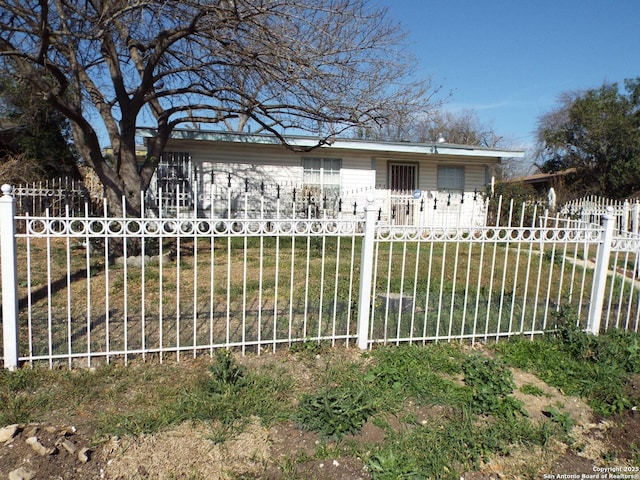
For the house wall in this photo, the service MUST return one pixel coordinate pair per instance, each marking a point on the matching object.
(259, 167)
(475, 171)
(273, 165)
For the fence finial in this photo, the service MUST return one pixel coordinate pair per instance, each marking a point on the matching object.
(6, 189)
(551, 198)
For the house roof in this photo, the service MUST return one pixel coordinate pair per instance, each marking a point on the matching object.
(339, 143)
(541, 178)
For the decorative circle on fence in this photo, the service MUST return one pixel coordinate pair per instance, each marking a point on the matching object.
(285, 227)
(115, 227)
(438, 233)
(77, 227)
(169, 227)
(95, 227)
(301, 227)
(317, 227)
(58, 227)
(151, 227)
(37, 227)
(253, 227)
(133, 227)
(269, 227)
(453, 234)
(221, 227)
(399, 234)
(204, 228)
(186, 227)
(331, 227)
(352, 227)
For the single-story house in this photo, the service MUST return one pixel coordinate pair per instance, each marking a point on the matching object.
(542, 182)
(226, 175)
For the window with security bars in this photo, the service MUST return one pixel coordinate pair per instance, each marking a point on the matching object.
(450, 179)
(403, 176)
(174, 180)
(322, 174)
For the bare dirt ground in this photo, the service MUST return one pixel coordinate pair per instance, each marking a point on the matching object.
(190, 451)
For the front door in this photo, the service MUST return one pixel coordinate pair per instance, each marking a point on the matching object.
(403, 180)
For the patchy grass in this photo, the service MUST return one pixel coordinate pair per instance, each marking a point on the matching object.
(437, 411)
(596, 368)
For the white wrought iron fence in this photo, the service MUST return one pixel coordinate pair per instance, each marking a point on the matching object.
(592, 208)
(87, 289)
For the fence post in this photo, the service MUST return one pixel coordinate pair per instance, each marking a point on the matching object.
(366, 273)
(625, 216)
(9, 279)
(601, 273)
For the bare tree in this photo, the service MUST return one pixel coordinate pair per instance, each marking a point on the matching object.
(319, 66)
(462, 128)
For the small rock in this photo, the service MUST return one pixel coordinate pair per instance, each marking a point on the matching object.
(83, 455)
(50, 429)
(39, 448)
(8, 432)
(31, 432)
(67, 430)
(69, 446)
(21, 474)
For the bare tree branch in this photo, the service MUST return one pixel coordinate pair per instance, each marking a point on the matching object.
(283, 66)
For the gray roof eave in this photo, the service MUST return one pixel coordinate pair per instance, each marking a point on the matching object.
(338, 143)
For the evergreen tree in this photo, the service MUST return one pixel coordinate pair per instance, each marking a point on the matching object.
(597, 132)
(33, 132)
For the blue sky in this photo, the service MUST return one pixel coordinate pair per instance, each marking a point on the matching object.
(508, 60)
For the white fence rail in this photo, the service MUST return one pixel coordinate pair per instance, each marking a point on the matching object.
(82, 290)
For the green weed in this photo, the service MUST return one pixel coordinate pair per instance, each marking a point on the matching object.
(563, 419)
(334, 412)
(444, 450)
(309, 349)
(531, 389)
(223, 391)
(225, 371)
(492, 385)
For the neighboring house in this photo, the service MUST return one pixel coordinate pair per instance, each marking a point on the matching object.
(542, 182)
(226, 175)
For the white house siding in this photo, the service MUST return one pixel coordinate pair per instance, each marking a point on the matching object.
(261, 171)
(261, 167)
(433, 207)
(254, 175)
